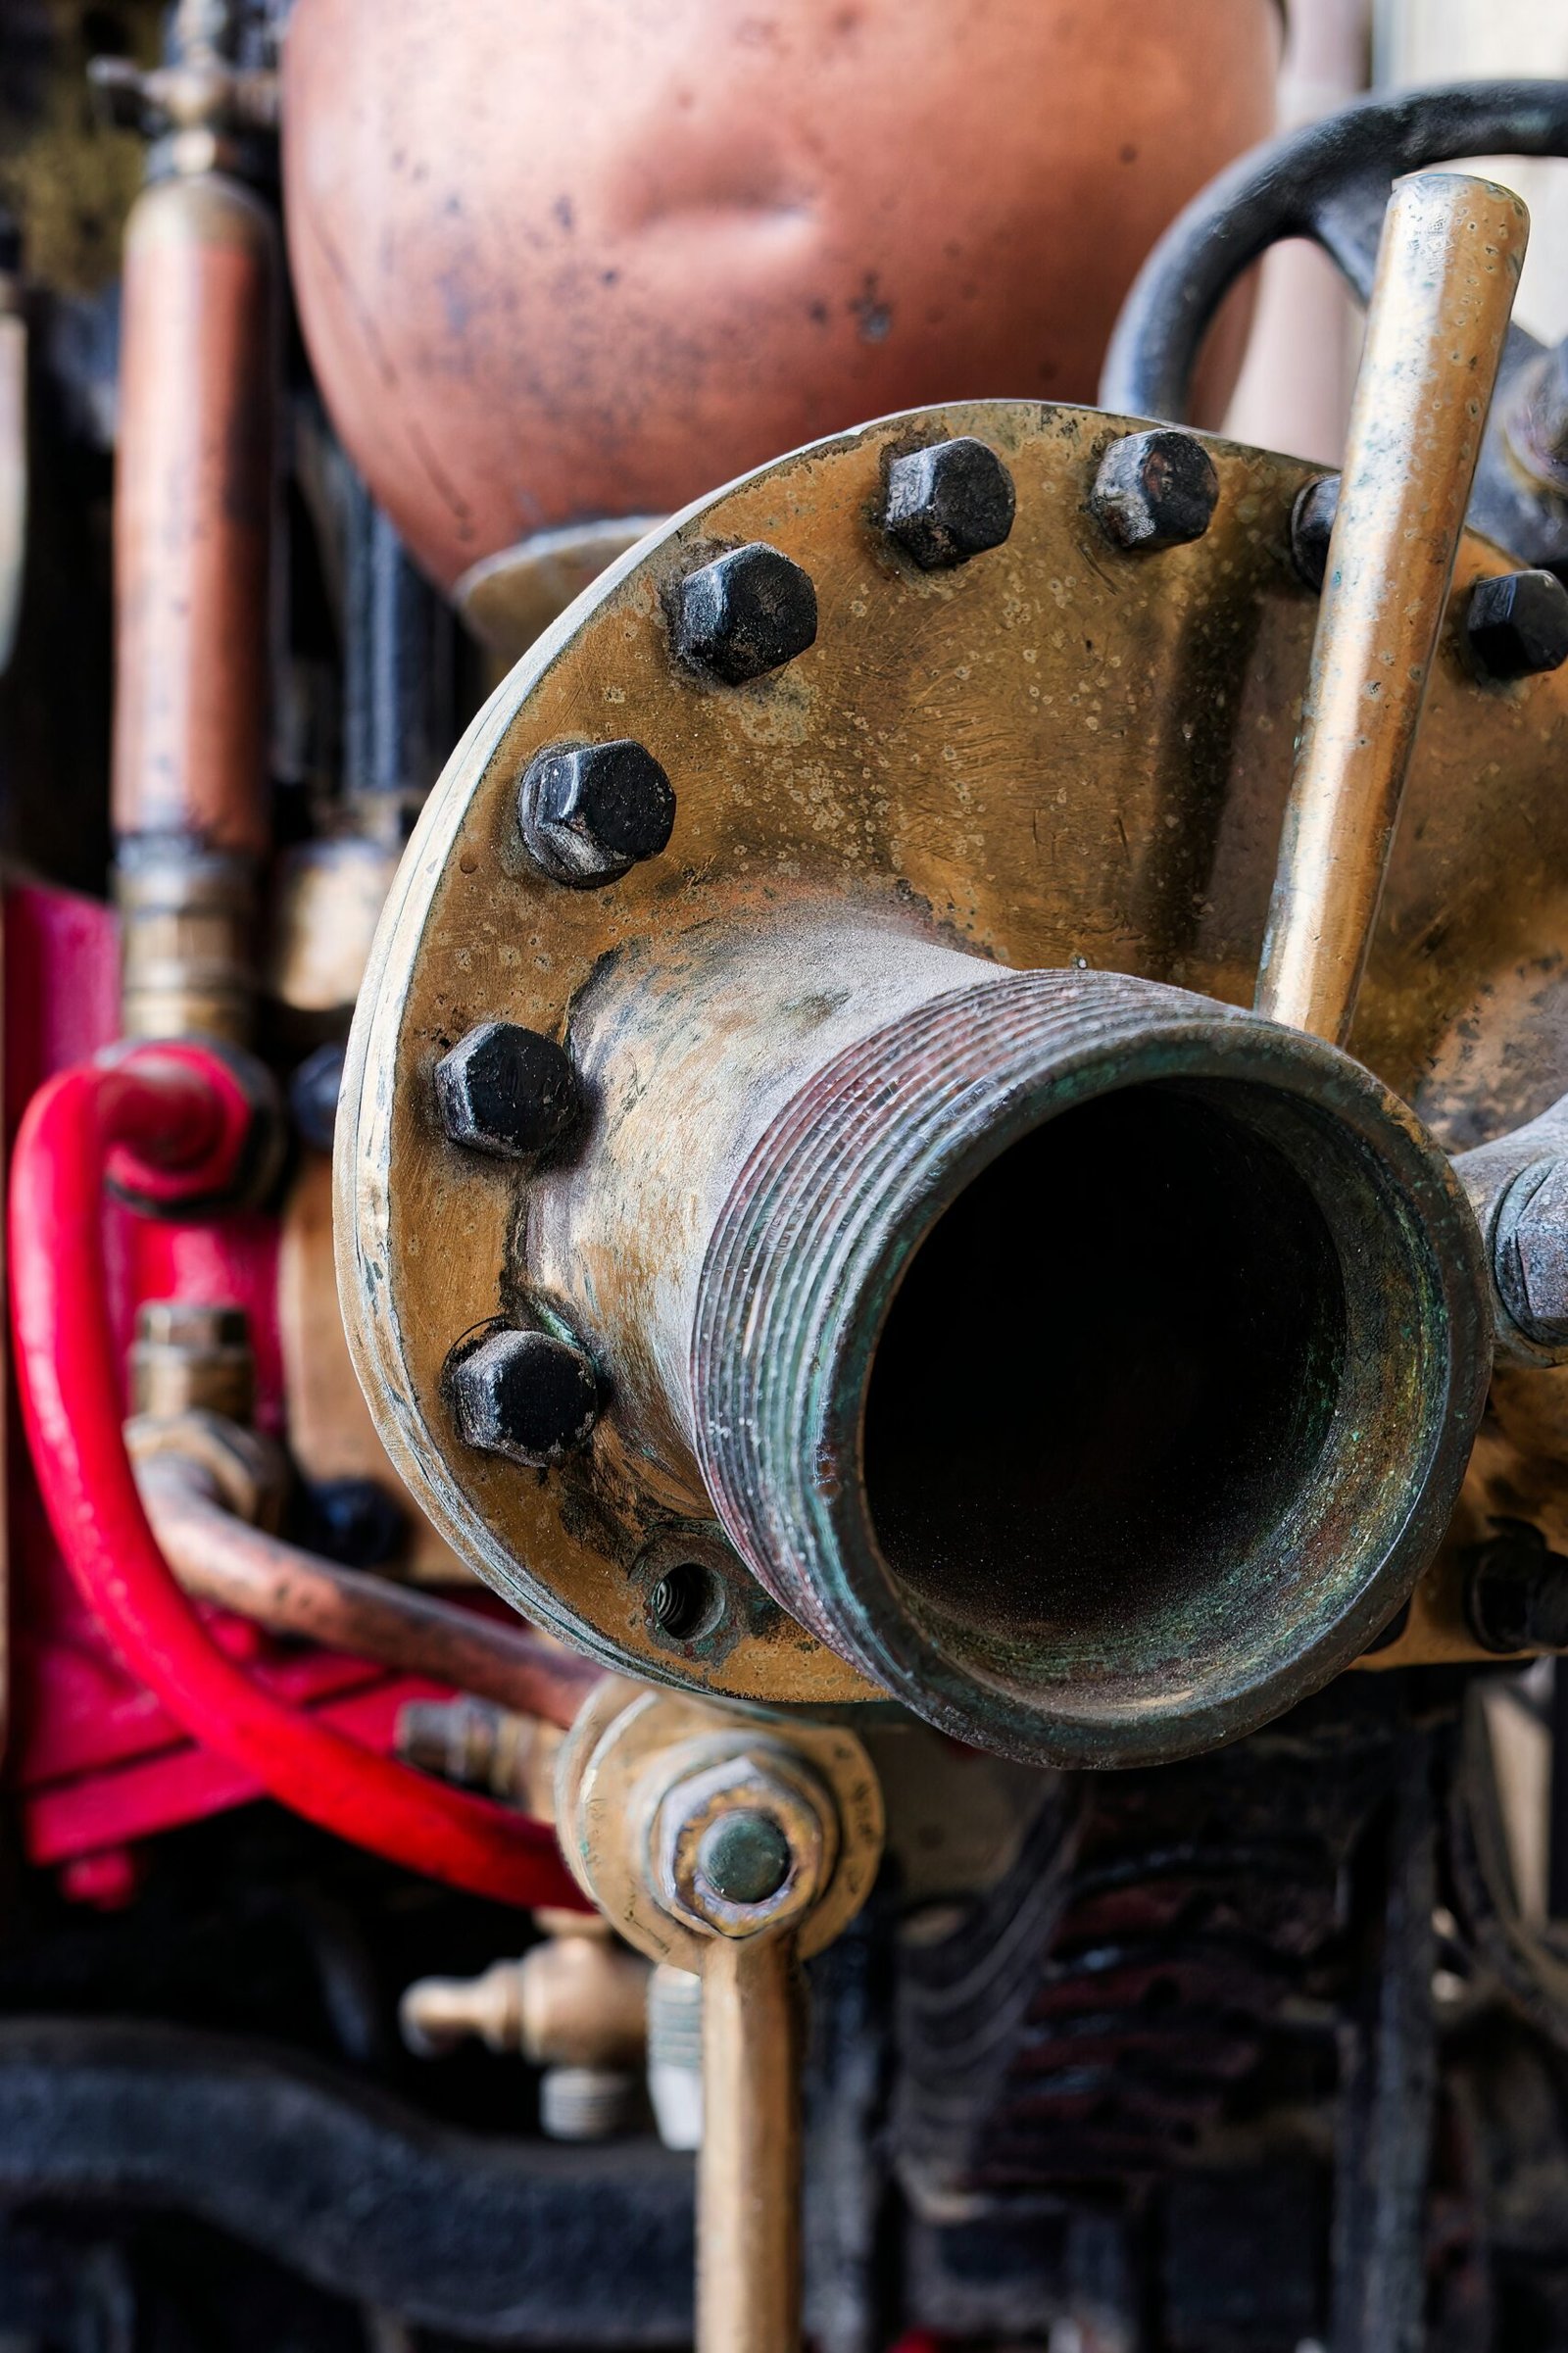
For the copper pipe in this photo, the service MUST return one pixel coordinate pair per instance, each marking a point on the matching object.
(1448, 269)
(748, 2173)
(290, 1591)
(193, 500)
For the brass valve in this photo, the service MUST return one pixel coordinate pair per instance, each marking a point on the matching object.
(732, 1844)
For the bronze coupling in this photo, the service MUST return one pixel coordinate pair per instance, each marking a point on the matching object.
(732, 1844)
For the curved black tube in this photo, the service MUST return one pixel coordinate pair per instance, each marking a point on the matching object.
(522, 2242)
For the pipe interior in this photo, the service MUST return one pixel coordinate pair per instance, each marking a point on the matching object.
(1106, 1376)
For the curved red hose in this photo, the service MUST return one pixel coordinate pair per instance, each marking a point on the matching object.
(169, 1107)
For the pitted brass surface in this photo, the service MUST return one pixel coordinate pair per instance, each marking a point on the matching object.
(1060, 752)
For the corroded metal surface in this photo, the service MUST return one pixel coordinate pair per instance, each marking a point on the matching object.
(1059, 754)
(596, 256)
(1447, 272)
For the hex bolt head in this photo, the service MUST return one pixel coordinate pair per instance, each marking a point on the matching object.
(589, 812)
(950, 502)
(1516, 1592)
(1311, 529)
(745, 1857)
(524, 1394)
(1155, 490)
(746, 614)
(508, 1091)
(1517, 625)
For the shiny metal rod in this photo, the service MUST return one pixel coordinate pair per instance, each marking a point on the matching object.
(1448, 269)
(748, 2178)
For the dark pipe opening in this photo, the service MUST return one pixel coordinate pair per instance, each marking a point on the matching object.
(1106, 1375)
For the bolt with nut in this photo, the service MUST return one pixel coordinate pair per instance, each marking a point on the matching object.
(746, 614)
(948, 503)
(589, 812)
(1517, 624)
(744, 1843)
(525, 1395)
(1155, 490)
(509, 1092)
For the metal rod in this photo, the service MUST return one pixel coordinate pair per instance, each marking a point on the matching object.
(749, 2183)
(1447, 272)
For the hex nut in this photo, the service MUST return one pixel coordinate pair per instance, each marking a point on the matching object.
(948, 503)
(509, 1092)
(694, 1842)
(1517, 624)
(1312, 528)
(1155, 490)
(1516, 1592)
(747, 613)
(589, 812)
(524, 1394)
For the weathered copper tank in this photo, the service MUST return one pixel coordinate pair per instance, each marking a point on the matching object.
(589, 258)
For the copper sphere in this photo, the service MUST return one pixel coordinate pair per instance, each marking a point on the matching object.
(589, 258)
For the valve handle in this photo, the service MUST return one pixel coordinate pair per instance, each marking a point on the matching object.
(1448, 269)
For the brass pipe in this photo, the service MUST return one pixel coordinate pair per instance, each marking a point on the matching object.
(1448, 268)
(193, 514)
(749, 2172)
(218, 1558)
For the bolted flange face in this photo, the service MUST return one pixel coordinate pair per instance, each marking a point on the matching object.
(746, 614)
(1155, 490)
(589, 812)
(1059, 754)
(1518, 625)
(525, 1395)
(506, 1091)
(948, 503)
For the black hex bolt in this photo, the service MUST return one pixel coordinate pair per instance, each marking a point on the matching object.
(313, 1094)
(746, 614)
(589, 812)
(948, 502)
(1155, 490)
(1516, 1592)
(524, 1394)
(1312, 526)
(1518, 625)
(508, 1091)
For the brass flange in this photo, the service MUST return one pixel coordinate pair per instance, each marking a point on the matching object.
(1069, 753)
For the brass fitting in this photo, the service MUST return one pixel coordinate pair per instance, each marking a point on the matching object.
(573, 2000)
(188, 1357)
(744, 1843)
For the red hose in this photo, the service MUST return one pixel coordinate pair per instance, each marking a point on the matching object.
(171, 1110)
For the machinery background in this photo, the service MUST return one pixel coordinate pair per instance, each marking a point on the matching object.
(340, 349)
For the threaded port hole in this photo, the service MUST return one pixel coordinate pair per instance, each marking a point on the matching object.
(686, 1601)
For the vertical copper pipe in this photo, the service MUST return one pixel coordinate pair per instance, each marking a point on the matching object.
(1447, 272)
(193, 502)
(749, 2178)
